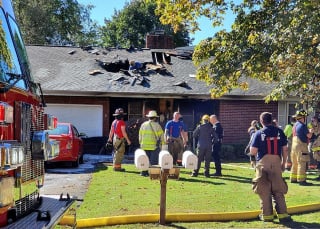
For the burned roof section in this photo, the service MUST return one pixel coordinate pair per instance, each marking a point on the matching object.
(105, 72)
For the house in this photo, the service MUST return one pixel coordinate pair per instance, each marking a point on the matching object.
(86, 85)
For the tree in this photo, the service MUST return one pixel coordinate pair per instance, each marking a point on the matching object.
(90, 33)
(272, 41)
(130, 25)
(57, 22)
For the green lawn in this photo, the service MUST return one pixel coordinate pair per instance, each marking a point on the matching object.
(116, 194)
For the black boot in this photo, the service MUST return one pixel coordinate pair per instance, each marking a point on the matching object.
(195, 173)
(144, 173)
(218, 170)
(206, 173)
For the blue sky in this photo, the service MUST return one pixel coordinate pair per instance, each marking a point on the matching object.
(105, 9)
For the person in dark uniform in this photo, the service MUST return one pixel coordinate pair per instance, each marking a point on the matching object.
(217, 141)
(300, 154)
(203, 135)
(269, 145)
(133, 135)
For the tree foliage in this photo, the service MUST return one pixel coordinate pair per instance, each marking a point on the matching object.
(273, 41)
(58, 22)
(129, 26)
(90, 32)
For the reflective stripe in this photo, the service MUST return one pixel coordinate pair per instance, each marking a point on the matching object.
(293, 176)
(284, 215)
(301, 177)
(315, 149)
(268, 217)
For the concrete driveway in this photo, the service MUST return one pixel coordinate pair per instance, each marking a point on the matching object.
(74, 181)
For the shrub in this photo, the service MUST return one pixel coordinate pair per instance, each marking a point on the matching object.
(233, 152)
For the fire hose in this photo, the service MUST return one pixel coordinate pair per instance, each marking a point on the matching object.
(180, 217)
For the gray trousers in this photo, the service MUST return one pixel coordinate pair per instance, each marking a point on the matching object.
(204, 154)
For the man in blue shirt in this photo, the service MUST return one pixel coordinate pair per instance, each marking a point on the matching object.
(176, 137)
(134, 65)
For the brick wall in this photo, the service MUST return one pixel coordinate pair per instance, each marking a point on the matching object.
(236, 116)
(159, 42)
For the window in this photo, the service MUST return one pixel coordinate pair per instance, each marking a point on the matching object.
(61, 129)
(22, 53)
(75, 131)
(292, 110)
(135, 110)
(10, 69)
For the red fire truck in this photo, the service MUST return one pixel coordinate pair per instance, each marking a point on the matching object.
(24, 142)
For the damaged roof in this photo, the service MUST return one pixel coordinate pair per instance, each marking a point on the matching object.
(104, 72)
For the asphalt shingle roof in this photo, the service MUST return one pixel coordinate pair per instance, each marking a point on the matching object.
(66, 70)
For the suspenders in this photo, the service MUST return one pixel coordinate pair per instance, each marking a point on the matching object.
(272, 144)
(294, 131)
(115, 128)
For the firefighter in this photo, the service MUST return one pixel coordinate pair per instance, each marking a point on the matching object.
(269, 145)
(176, 136)
(288, 132)
(316, 155)
(315, 146)
(203, 135)
(217, 142)
(118, 136)
(151, 139)
(314, 140)
(299, 152)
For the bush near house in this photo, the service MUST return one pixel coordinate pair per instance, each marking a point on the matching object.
(233, 152)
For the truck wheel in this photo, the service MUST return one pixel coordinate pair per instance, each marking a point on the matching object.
(81, 159)
(75, 164)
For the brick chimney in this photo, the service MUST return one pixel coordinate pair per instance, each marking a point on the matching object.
(159, 40)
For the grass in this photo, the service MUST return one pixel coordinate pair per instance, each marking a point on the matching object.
(115, 193)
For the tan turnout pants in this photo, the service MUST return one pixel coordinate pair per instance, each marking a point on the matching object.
(299, 157)
(270, 186)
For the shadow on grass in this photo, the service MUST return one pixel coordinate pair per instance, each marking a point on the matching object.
(172, 225)
(207, 181)
(296, 224)
(134, 172)
(237, 179)
(220, 180)
(102, 166)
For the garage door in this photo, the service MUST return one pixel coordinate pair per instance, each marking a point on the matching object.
(86, 118)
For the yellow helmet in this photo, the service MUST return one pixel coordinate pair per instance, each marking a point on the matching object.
(300, 114)
(205, 117)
